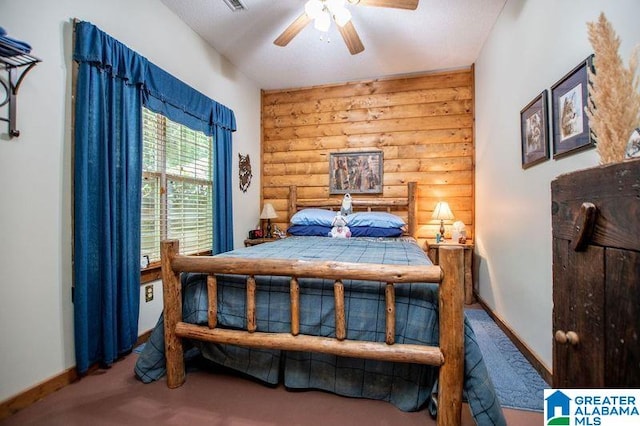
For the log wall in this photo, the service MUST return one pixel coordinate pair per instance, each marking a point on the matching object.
(423, 124)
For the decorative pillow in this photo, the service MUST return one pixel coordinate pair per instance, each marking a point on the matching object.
(375, 219)
(372, 231)
(321, 217)
(310, 230)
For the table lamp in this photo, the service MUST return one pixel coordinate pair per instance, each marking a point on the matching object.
(442, 212)
(268, 213)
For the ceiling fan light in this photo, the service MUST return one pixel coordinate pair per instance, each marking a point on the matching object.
(342, 16)
(334, 5)
(313, 8)
(322, 22)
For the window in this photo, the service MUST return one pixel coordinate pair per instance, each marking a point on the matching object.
(177, 187)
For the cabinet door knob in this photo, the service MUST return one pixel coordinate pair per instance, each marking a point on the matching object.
(570, 337)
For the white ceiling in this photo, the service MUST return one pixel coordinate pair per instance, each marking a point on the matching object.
(438, 35)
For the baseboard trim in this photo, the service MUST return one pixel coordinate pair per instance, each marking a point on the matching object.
(49, 386)
(536, 363)
(143, 338)
(31, 395)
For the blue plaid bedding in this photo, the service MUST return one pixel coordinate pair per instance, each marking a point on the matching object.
(408, 386)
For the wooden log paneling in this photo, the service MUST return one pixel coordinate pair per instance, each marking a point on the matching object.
(369, 88)
(366, 101)
(369, 126)
(364, 114)
(422, 124)
(437, 136)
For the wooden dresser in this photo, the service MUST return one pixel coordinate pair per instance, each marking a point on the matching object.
(596, 277)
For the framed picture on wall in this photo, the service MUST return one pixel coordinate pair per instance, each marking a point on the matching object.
(533, 131)
(569, 96)
(355, 172)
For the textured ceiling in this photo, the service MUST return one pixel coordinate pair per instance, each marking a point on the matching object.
(438, 35)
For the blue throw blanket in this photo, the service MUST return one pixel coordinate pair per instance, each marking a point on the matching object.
(408, 386)
(10, 46)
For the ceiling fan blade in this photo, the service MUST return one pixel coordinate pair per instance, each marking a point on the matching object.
(351, 38)
(292, 30)
(396, 4)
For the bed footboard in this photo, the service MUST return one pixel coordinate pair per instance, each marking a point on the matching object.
(449, 355)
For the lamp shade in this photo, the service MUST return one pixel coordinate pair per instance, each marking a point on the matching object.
(268, 212)
(442, 211)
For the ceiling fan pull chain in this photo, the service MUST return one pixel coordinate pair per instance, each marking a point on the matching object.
(328, 38)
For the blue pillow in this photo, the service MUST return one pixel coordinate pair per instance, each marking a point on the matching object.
(372, 231)
(313, 217)
(356, 231)
(375, 219)
(310, 230)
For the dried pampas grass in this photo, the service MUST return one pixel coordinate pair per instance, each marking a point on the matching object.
(614, 102)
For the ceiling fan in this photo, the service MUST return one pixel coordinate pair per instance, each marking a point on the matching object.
(321, 12)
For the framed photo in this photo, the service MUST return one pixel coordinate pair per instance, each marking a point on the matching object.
(569, 96)
(533, 131)
(355, 172)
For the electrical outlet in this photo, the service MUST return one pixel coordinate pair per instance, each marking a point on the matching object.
(148, 293)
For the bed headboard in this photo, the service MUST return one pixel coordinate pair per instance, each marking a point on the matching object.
(390, 205)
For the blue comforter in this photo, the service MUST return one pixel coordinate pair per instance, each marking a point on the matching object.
(408, 386)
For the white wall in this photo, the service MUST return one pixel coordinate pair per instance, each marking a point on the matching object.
(36, 313)
(533, 45)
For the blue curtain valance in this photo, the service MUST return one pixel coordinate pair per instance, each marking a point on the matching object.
(181, 103)
(162, 92)
(107, 53)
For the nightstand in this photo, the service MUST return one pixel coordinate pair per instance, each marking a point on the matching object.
(431, 247)
(255, 241)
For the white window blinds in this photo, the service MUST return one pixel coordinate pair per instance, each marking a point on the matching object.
(177, 187)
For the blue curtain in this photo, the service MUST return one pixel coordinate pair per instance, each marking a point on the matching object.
(107, 198)
(222, 208)
(112, 85)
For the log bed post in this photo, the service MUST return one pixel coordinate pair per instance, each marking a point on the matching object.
(451, 375)
(412, 214)
(390, 307)
(294, 290)
(341, 323)
(251, 304)
(212, 295)
(292, 201)
(172, 293)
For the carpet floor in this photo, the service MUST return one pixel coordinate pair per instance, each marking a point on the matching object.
(115, 397)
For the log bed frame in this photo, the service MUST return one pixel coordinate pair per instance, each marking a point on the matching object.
(449, 355)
